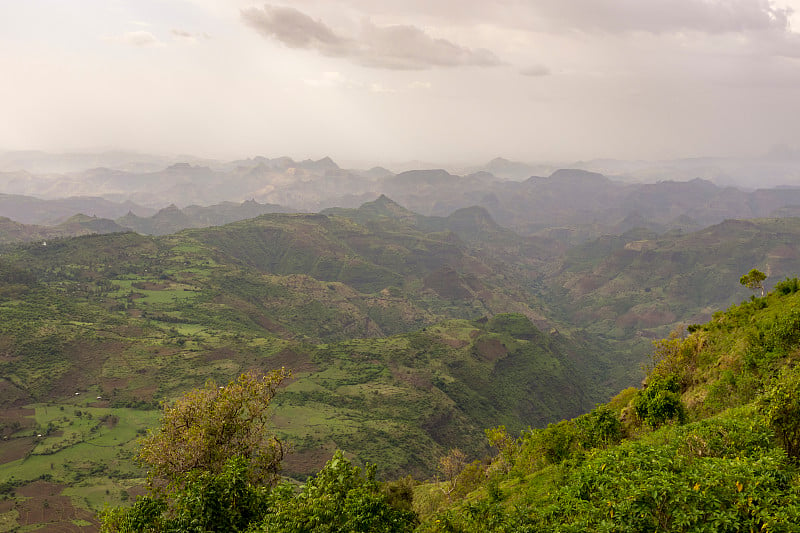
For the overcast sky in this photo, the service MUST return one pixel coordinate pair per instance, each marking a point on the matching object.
(392, 80)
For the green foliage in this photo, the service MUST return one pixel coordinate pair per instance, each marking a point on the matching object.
(676, 356)
(754, 280)
(774, 340)
(208, 426)
(660, 401)
(340, 498)
(146, 514)
(715, 475)
(645, 488)
(599, 428)
(787, 286)
(136, 320)
(733, 470)
(781, 405)
(505, 444)
(515, 324)
(207, 501)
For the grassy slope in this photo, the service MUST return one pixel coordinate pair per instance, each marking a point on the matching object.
(126, 321)
(725, 469)
(136, 319)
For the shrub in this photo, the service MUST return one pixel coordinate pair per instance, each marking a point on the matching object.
(660, 401)
(781, 407)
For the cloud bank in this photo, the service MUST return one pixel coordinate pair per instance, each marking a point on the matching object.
(661, 16)
(396, 47)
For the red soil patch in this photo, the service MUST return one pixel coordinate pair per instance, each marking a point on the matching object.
(129, 331)
(15, 449)
(111, 421)
(10, 394)
(108, 385)
(145, 393)
(308, 461)
(21, 415)
(48, 507)
(490, 349)
(587, 284)
(87, 360)
(271, 325)
(219, 353)
(454, 343)
(294, 361)
(415, 379)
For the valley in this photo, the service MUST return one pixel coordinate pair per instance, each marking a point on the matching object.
(407, 334)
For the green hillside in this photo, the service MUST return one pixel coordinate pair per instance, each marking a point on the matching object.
(407, 336)
(396, 336)
(709, 443)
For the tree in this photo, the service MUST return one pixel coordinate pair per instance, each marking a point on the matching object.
(212, 461)
(206, 502)
(660, 401)
(451, 466)
(754, 280)
(781, 407)
(205, 427)
(341, 497)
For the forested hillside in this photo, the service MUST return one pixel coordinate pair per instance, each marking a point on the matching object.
(400, 339)
(407, 335)
(709, 442)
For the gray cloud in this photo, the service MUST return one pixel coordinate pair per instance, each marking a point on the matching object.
(664, 16)
(296, 30)
(183, 35)
(399, 47)
(656, 16)
(408, 47)
(138, 38)
(535, 71)
(187, 36)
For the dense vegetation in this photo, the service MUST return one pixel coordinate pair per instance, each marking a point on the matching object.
(408, 336)
(394, 358)
(708, 443)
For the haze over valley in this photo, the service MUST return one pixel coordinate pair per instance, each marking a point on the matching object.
(399, 266)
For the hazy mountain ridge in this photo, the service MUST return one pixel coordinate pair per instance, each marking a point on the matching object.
(13, 232)
(572, 205)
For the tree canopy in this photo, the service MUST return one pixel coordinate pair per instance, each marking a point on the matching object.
(754, 280)
(207, 426)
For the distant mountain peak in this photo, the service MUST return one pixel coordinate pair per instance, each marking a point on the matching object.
(80, 217)
(384, 203)
(385, 206)
(424, 175)
(326, 163)
(575, 173)
(384, 200)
